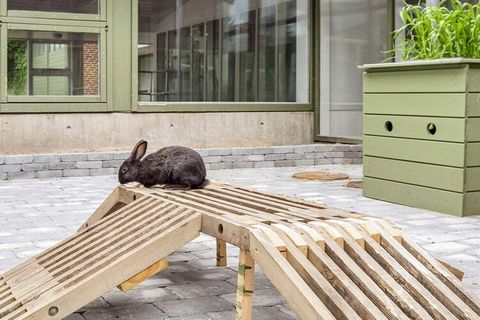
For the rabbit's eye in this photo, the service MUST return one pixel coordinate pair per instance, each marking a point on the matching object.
(124, 170)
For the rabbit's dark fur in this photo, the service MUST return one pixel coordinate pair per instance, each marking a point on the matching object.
(170, 166)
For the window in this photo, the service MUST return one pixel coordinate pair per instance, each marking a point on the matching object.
(66, 6)
(52, 63)
(224, 50)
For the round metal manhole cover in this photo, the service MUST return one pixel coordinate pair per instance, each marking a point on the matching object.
(321, 176)
(355, 184)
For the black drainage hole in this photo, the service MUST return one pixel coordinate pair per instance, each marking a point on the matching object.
(220, 228)
(432, 128)
(388, 126)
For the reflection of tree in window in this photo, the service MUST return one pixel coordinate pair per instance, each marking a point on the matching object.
(53, 63)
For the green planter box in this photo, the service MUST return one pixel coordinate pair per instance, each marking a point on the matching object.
(422, 134)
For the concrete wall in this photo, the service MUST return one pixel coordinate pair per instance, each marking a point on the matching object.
(64, 133)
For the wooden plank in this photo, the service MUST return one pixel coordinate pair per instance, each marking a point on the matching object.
(245, 286)
(306, 230)
(144, 275)
(473, 105)
(439, 80)
(300, 297)
(295, 237)
(441, 291)
(423, 296)
(415, 196)
(473, 154)
(273, 237)
(341, 282)
(322, 288)
(350, 229)
(221, 253)
(375, 282)
(119, 270)
(459, 274)
(331, 231)
(472, 204)
(432, 152)
(427, 175)
(225, 228)
(418, 104)
(414, 127)
(447, 277)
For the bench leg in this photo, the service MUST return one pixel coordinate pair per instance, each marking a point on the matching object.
(246, 274)
(144, 275)
(221, 253)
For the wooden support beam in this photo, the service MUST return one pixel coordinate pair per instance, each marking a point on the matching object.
(221, 253)
(144, 275)
(245, 285)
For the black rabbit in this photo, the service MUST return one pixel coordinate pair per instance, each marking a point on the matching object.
(173, 167)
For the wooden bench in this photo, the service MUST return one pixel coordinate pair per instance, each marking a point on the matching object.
(326, 263)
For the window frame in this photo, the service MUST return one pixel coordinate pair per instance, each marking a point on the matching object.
(222, 106)
(61, 22)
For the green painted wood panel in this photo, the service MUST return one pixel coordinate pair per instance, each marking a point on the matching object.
(474, 80)
(446, 129)
(441, 80)
(473, 105)
(432, 152)
(440, 177)
(472, 179)
(120, 73)
(473, 130)
(472, 204)
(473, 154)
(415, 196)
(418, 104)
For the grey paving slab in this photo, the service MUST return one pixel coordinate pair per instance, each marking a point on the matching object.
(36, 214)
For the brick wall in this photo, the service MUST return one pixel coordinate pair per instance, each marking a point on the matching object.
(107, 163)
(90, 68)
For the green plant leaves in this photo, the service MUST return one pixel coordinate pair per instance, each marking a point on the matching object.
(450, 29)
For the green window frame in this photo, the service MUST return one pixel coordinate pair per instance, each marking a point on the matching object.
(222, 106)
(60, 22)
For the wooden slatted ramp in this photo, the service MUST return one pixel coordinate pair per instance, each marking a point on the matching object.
(101, 256)
(327, 263)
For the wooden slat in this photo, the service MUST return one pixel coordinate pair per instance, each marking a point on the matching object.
(450, 105)
(119, 269)
(293, 288)
(322, 288)
(448, 278)
(373, 280)
(340, 281)
(424, 276)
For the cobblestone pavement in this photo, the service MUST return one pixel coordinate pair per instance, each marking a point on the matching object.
(36, 214)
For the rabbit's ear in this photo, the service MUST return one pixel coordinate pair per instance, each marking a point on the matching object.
(139, 150)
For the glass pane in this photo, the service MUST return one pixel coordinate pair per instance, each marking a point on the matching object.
(52, 63)
(68, 6)
(225, 50)
(353, 32)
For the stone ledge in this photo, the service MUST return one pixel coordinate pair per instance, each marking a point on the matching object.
(107, 163)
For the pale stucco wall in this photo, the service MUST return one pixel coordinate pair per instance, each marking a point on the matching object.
(60, 133)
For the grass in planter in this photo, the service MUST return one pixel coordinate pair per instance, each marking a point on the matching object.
(436, 32)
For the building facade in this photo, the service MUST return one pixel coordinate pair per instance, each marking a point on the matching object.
(98, 75)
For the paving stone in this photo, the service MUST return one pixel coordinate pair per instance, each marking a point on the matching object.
(285, 163)
(212, 159)
(112, 163)
(283, 149)
(221, 165)
(89, 164)
(29, 167)
(18, 159)
(75, 172)
(74, 157)
(243, 164)
(255, 157)
(75, 316)
(275, 157)
(121, 155)
(10, 168)
(99, 156)
(2, 160)
(61, 165)
(20, 175)
(220, 151)
(102, 172)
(264, 164)
(48, 158)
(3, 175)
(187, 307)
(128, 312)
(49, 174)
(265, 297)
